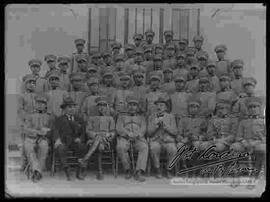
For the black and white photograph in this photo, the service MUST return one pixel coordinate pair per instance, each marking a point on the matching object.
(135, 100)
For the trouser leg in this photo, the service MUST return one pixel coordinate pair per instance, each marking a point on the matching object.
(155, 149)
(122, 151)
(142, 149)
(171, 152)
(43, 149)
(30, 145)
(61, 150)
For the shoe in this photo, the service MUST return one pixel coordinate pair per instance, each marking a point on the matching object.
(79, 173)
(128, 174)
(36, 176)
(139, 177)
(169, 175)
(158, 174)
(100, 176)
(67, 174)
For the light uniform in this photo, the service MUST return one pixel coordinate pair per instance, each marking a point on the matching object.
(74, 64)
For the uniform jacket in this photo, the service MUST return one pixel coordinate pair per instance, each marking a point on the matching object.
(150, 97)
(65, 82)
(208, 102)
(179, 103)
(168, 87)
(78, 97)
(41, 85)
(223, 66)
(120, 103)
(55, 100)
(237, 85)
(183, 71)
(228, 95)
(214, 81)
(74, 64)
(192, 85)
(140, 92)
(89, 107)
(26, 105)
(167, 134)
(169, 63)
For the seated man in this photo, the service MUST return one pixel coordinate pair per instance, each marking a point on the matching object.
(162, 132)
(36, 128)
(251, 134)
(69, 133)
(100, 130)
(131, 130)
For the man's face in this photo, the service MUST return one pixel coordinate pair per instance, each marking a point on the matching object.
(202, 62)
(51, 64)
(220, 55)
(154, 83)
(102, 108)
(124, 82)
(129, 53)
(107, 59)
(194, 72)
(179, 85)
(148, 55)
(181, 61)
(138, 58)
(137, 42)
(92, 73)
(116, 51)
(211, 70)
(95, 60)
(193, 109)
(182, 46)
(54, 82)
(93, 88)
(138, 79)
(190, 58)
(82, 66)
(157, 64)
(254, 109)
(161, 107)
(108, 80)
(70, 110)
(170, 52)
(204, 86)
(159, 51)
(238, 71)
(120, 64)
(149, 39)
(63, 67)
(222, 111)
(30, 85)
(41, 106)
(168, 38)
(77, 84)
(35, 69)
(224, 83)
(168, 75)
(80, 48)
(132, 107)
(198, 44)
(249, 89)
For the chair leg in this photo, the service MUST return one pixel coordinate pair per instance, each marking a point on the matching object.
(113, 163)
(116, 165)
(148, 166)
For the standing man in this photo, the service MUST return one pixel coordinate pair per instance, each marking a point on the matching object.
(69, 133)
(198, 42)
(237, 82)
(137, 40)
(37, 129)
(162, 132)
(193, 82)
(116, 47)
(100, 132)
(63, 63)
(214, 80)
(149, 36)
(148, 59)
(170, 60)
(131, 129)
(107, 59)
(223, 65)
(129, 53)
(51, 62)
(157, 67)
(168, 86)
(168, 34)
(183, 44)
(80, 51)
(180, 67)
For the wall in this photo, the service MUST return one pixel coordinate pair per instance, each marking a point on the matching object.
(36, 30)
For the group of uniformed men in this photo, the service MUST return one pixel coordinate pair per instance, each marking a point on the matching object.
(152, 97)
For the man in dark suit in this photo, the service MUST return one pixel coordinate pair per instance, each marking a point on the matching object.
(69, 133)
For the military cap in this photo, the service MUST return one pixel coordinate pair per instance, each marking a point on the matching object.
(76, 76)
(101, 100)
(139, 51)
(157, 57)
(96, 55)
(63, 59)
(253, 101)
(223, 103)
(129, 47)
(41, 97)
(79, 41)
(168, 33)
(198, 38)
(148, 49)
(203, 77)
(181, 55)
(92, 80)
(155, 75)
(167, 69)
(211, 63)
(185, 41)
(124, 75)
(28, 77)
(237, 63)
(92, 67)
(194, 65)
(149, 32)
(190, 51)
(137, 36)
(194, 101)
(66, 102)
(249, 80)
(225, 76)
(160, 46)
(180, 77)
(120, 57)
(116, 44)
(170, 46)
(81, 57)
(48, 58)
(202, 55)
(54, 74)
(163, 98)
(132, 99)
(220, 48)
(34, 62)
(107, 72)
(137, 72)
(105, 54)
